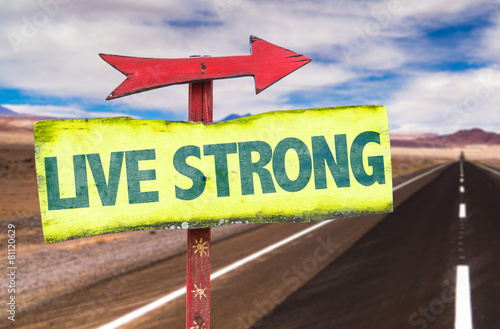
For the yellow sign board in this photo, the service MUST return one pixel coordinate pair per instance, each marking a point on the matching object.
(99, 176)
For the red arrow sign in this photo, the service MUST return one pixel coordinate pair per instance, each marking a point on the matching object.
(267, 63)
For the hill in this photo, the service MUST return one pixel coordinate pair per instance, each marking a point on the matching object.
(6, 111)
(461, 138)
(474, 136)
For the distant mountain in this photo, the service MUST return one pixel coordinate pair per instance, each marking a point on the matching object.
(4, 110)
(234, 116)
(13, 121)
(475, 136)
(415, 143)
(412, 136)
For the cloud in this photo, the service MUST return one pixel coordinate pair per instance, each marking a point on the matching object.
(59, 57)
(489, 46)
(447, 101)
(66, 112)
(50, 49)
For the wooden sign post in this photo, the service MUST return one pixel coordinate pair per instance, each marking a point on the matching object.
(199, 240)
(266, 65)
(109, 175)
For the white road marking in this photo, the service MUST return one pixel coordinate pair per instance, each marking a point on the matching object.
(462, 189)
(461, 180)
(418, 177)
(463, 310)
(461, 212)
(264, 251)
(488, 168)
(182, 291)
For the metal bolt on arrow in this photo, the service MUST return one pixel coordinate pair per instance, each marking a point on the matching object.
(267, 63)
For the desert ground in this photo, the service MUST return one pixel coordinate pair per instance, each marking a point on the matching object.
(49, 270)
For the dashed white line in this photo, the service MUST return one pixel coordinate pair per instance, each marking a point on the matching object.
(463, 310)
(180, 292)
(462, 212)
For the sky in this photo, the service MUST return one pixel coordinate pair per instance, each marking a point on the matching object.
(435, 64)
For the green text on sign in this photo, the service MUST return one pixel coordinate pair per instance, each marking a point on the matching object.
(111, 175)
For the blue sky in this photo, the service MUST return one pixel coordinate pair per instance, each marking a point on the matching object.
(434, 64)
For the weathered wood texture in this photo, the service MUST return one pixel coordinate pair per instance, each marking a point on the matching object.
(199, 240)
(267, 63)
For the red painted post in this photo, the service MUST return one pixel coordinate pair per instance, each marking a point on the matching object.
(267, 63)
(199, 240)
(198, 279)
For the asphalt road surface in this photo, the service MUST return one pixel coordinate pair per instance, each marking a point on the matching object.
(386, 271)
(402, 274)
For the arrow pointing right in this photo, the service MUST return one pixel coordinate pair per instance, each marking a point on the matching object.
(267, 63)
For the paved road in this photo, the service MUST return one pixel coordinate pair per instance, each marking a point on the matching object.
(402, 273)
(242, 297)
